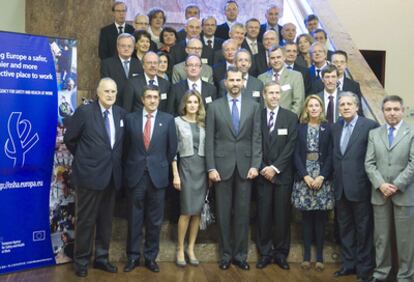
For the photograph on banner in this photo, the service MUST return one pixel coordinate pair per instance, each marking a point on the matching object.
(62, 192)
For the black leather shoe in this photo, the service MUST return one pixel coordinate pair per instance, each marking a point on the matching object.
(152, 265)
(344, 272)
(81, 271)
(131, 264)
(105, 266)
(241, 264)
(263, 262)
(224, 264)
(376, 280)
(282, 263)
(364, 279)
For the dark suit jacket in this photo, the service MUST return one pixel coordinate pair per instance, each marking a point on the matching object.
(253, 89)
(261, 63)
(222, 31)
(181, 35)
(325, 150)
(224, 149)
(178, 54)
(113, 68)
(219, 72)
(134, 91)
(107, 40)
(278, 147)
(218, 42)
(158, 157)
(260, 47)
(95, 162)
(263, 30)
(177, 91)
(350, 178)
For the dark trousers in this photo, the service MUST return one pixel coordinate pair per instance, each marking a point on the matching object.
(145, 208)
(273, 218)
(356, 231)
(94, 213)
(233, 209)
(314, 223)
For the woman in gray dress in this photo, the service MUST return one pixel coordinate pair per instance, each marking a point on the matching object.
(190, 176)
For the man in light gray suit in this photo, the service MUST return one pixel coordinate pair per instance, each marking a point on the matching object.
(233, 157)
(252, 86)
(193, 47)
(390, 168)
(291, 82)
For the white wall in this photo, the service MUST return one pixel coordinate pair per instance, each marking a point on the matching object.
(384, 25)
(12, 15)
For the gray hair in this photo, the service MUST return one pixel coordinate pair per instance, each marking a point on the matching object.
(350, 94)
(125, 35)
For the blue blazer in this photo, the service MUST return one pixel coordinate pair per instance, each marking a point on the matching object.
(325, 150)
(158, 157)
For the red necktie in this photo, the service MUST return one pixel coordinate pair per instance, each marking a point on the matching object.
(147, 132)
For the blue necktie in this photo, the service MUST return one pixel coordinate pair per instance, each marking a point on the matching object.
(107, 127)
(391, 135)
(346, 134)
(235, 118)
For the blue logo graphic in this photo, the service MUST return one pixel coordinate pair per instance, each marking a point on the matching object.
(19, 142)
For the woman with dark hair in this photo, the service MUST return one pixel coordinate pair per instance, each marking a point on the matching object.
(168, 38)
(304, 42)
(190, 175)
(157, 19)
(142, 43)
(163, 66)
(312, 191)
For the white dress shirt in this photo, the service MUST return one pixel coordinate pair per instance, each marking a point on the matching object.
(111, 122)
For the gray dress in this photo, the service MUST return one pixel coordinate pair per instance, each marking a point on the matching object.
(193, 177)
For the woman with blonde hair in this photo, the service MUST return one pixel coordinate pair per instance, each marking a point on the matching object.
(312, 191)
(190, 175)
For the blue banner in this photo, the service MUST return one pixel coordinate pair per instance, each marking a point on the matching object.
(28, 122)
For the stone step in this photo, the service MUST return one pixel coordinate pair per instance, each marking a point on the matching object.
(207, 247)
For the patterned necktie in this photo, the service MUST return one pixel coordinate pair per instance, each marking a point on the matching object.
(126, 68)
(195, 87)
(147, 131)
(107, 126)
(235, 117)
(120, 29)
(271, 121)
(339, 85)
(210, 43)
(330, 110)
(391, 135)
(152, 82)
(346, 134)
(276, 77)
(289, 67)
(253, 46)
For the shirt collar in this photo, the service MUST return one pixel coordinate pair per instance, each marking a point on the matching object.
(103, 109)
(118, 25)
(353, 121)
(144, 113)
(147, 79)
(396, 127)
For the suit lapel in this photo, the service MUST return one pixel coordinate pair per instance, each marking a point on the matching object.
(384, 136)
(402, 132)
(265, 129)
(279, 124)
(117, 122)
(227, 113)
(243, 111)
(157, 127)
(101, 123)
(354, 135)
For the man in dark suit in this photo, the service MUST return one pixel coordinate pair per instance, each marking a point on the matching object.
(353, 189)
(252, 87)
(134, 88)
(231, 11)
(94, 136)
(123, 66)
(194, 82)
(270, 39)
(251, 42)
(191, 11)
(279, 134)
(272, 19)
(330, 94)
(178, 53)
(233, 156)
(318, 53)
(340, 61)
(229, 52)
(109, 33)
(291, 51)
(209, 26)
(151, 145)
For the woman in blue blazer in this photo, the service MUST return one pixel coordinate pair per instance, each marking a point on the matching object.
(312, 191)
